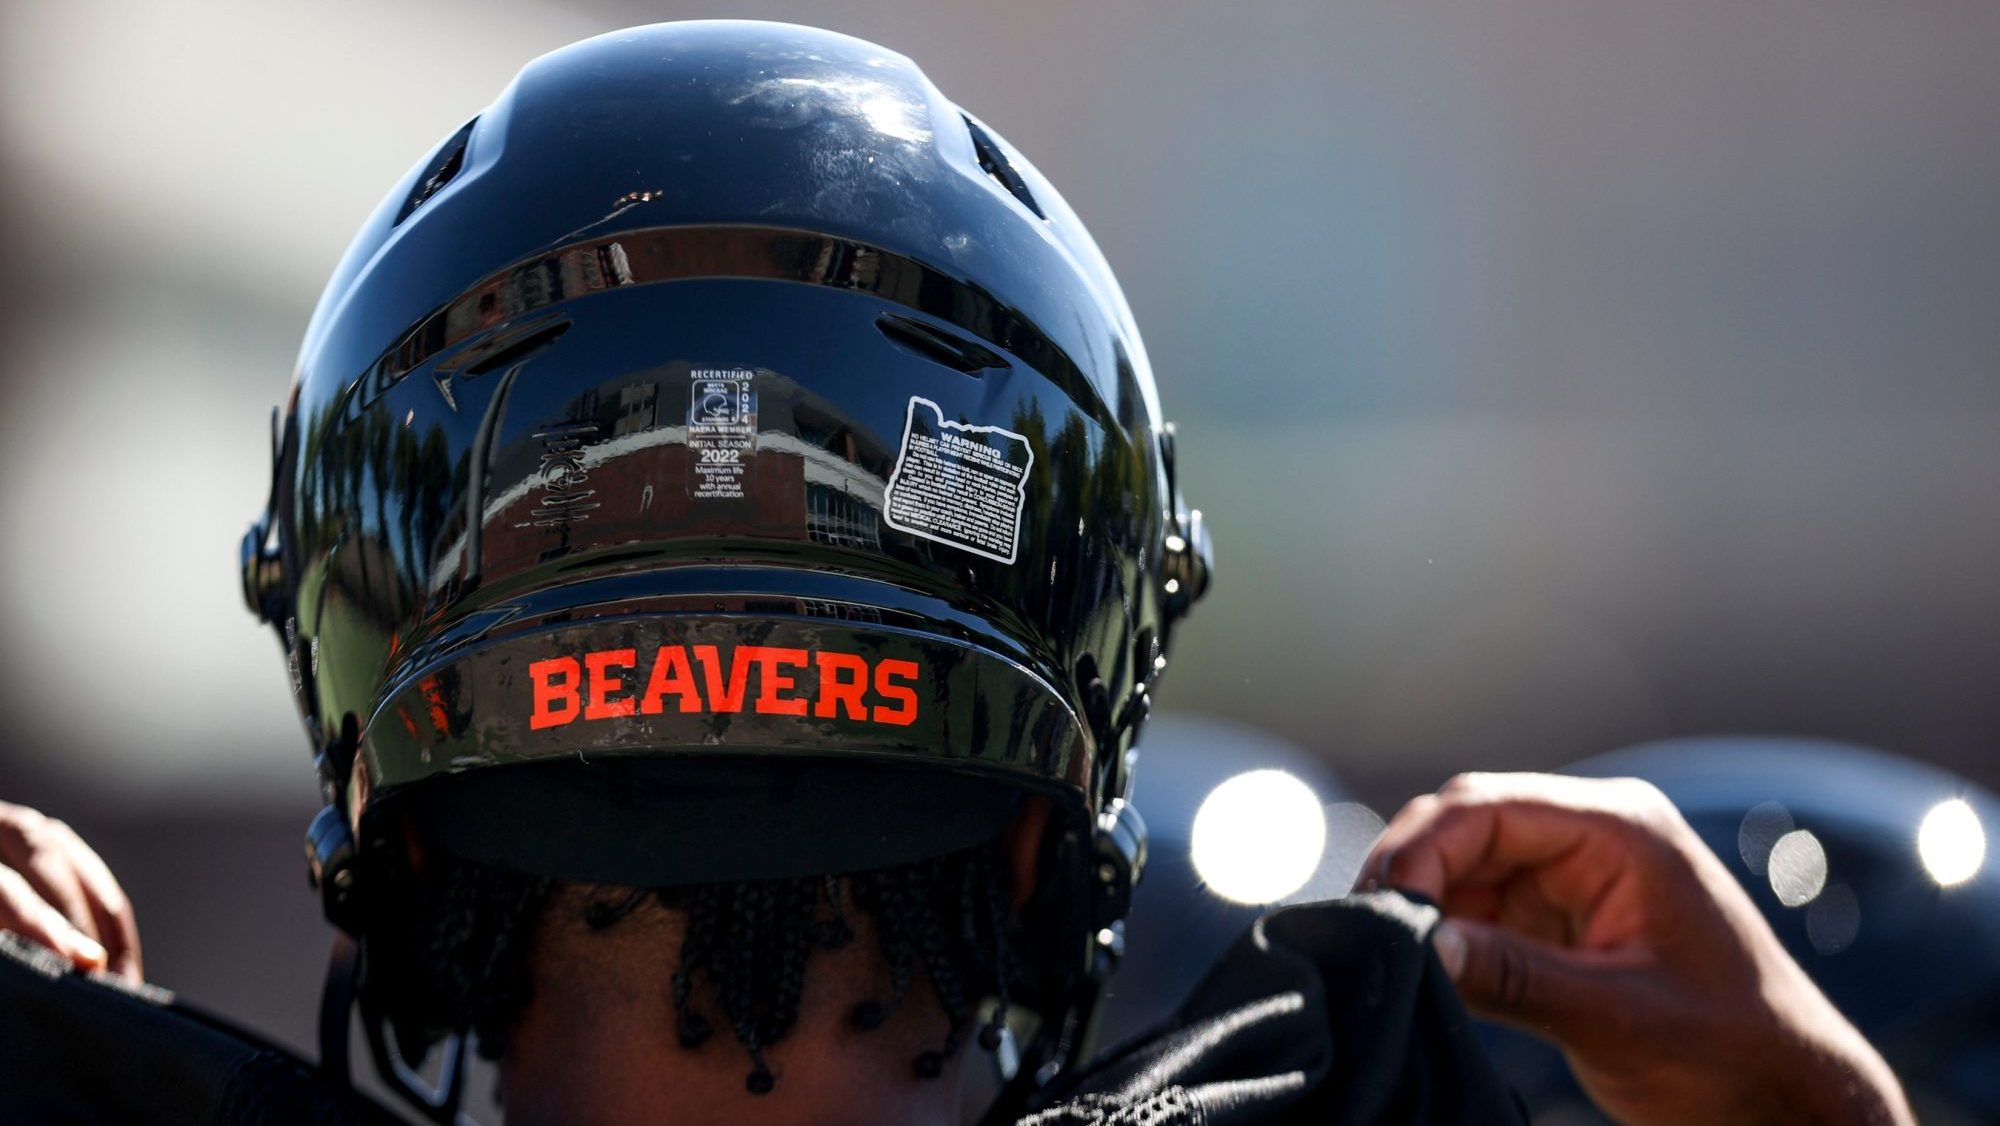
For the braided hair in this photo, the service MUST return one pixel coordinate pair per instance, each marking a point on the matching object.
(746, 942)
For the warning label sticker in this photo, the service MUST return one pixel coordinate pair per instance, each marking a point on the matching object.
(958, 484)
(722, 428)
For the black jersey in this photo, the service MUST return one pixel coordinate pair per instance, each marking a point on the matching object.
(1330, 1013)
(80, 1048)
(1327, 1014)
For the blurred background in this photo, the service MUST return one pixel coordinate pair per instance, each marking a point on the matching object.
(1555, 377)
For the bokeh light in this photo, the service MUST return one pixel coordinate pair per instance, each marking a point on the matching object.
(1951, 842)
(1797, 868)
(1258, 836)
(1761, 828)
(1351, 832)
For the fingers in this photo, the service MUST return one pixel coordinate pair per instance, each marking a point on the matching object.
(117, 926)
(1487, 828)
(1525, 982)
(1517, 903)
(1577, 862)
(49, 863)
(1441, 841)
(27, 914)
(29, 844)
(49, 872)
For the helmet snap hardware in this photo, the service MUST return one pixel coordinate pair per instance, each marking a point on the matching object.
(330, 868)
(1120, 852)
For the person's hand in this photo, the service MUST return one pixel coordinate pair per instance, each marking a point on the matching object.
(56, 891)
(1587, 911)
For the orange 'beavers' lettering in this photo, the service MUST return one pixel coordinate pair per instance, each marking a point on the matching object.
(886, 674)
(556, 701)
(671, 674)
(827, 684)
(604, 666)
(774, 681)
(843, 681)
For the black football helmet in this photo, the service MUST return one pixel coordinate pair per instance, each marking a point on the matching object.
(724, 457)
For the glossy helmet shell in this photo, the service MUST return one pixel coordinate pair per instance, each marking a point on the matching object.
(707, 351)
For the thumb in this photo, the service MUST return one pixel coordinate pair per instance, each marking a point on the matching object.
(1522, 981)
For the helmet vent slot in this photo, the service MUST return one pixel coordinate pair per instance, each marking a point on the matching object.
(506, 348)
(443, 170)
(995, 163)
(939, 346)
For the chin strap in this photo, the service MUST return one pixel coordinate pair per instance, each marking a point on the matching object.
(336, 1001)
(346, 970)
(1118, 859)
(1025, 1070)
(331, 869)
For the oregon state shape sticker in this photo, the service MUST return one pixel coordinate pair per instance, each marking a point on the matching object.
(959, 484)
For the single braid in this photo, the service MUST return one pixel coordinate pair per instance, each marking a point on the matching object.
(475, 947)
(836, 932)
(697, 940)
(738, 983)
(508, 926)
(797, 900)
(935, 953)
(899, 911)
(992, 880)
(453, 923)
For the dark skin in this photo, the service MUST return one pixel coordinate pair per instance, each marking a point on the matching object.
(1583, 910)
(1588, 912)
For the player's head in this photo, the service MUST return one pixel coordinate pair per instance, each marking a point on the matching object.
(723, 461)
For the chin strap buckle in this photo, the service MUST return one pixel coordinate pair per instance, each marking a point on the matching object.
(262, 572)
(261, 560)
(330, 869)
(1189, 557)
(1118, 861)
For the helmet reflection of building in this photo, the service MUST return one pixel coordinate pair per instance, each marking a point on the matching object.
(819, 480)
(788, 440)
(1873, 871)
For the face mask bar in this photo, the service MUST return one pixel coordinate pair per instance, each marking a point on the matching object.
(345, 989)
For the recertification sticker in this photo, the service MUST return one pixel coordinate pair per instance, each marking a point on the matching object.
(722, 429)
